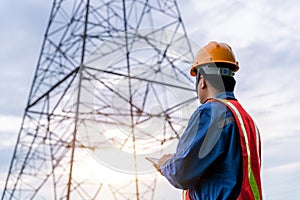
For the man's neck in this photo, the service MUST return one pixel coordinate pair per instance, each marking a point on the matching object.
(212, 92)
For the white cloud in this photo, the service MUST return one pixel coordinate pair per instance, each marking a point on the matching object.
(281, 167)
(23, 25)
(9, 124)
(241, 22)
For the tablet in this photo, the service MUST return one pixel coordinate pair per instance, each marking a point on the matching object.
(153, 160)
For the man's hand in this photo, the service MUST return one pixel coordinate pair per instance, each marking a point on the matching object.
(161, 161)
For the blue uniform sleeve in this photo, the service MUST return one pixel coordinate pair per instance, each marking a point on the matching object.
(200, 145)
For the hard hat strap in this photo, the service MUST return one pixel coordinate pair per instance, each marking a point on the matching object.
(216, 71)
(198, 76)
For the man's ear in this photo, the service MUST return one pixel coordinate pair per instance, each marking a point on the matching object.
(203, 83)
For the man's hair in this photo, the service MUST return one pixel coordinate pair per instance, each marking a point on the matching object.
(221, 83)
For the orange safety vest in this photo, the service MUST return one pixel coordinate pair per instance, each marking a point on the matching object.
(250, 143)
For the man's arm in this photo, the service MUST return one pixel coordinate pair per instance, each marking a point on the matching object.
(187, 165)
(161, 161)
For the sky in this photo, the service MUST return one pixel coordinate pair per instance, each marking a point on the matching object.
(265, 38)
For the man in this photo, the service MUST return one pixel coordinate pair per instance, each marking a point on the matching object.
(218, 155)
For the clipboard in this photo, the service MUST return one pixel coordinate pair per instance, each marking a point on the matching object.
(153, 160)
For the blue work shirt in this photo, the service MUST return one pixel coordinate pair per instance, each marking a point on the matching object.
(208, 159)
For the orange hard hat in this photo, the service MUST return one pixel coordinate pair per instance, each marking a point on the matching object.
(214, 52)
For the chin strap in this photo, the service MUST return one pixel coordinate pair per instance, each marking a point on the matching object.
(198, 76)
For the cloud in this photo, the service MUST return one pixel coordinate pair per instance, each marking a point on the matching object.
(9, 124)
(240, 22)
(268, 85)
(281, 167)
(24, 24)
(7, 142)
(9, 127)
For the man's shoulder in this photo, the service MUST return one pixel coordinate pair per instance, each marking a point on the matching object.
(215, 109)
(212, 105)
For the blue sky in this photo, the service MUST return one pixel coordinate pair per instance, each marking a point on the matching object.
(264, 36)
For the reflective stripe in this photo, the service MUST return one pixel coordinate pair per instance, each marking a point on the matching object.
(185, 195)
(257, 143)
(240, 119)
(253, 184)
(251, 178)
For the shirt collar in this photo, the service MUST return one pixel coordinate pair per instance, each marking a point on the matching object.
(225, 95)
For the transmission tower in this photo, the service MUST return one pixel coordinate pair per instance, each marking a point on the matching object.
(111, 87)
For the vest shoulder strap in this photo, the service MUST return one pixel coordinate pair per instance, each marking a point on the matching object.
(250, 143)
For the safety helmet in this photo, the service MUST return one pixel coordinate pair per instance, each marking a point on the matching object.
(214, 52)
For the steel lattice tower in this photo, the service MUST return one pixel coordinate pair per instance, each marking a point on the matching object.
(111, 82)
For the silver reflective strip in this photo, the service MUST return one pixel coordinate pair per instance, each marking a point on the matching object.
(218, 71)
(257, 142)
(243, 130)
(184, 195)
